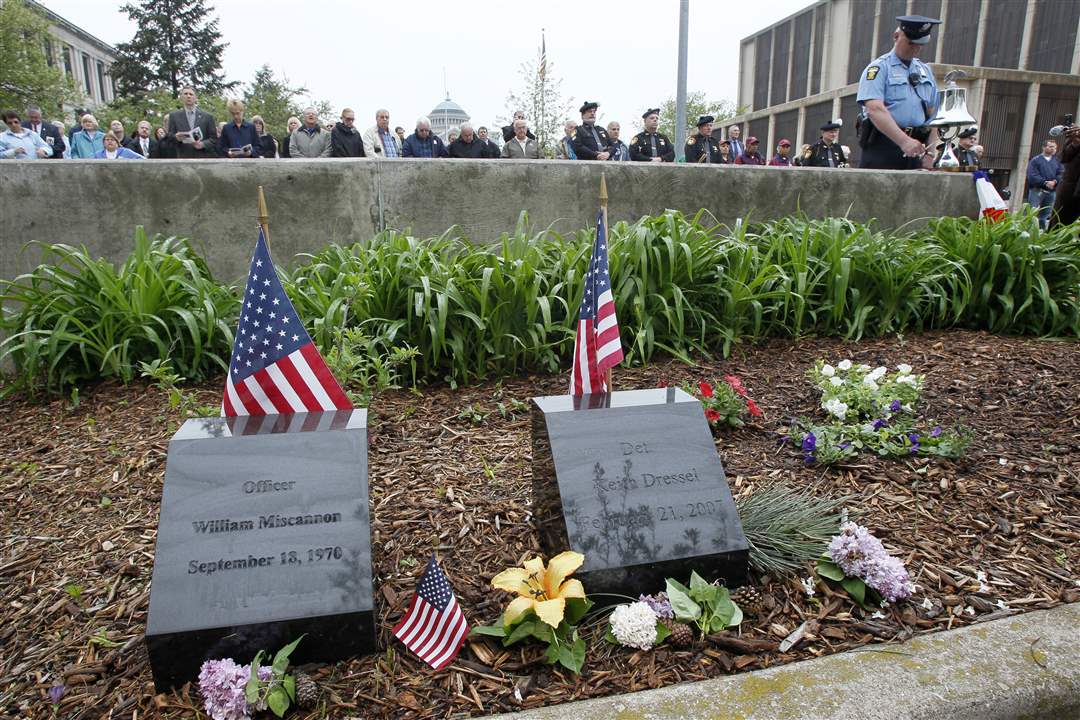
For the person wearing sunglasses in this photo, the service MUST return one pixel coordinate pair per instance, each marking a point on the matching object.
(19, 143)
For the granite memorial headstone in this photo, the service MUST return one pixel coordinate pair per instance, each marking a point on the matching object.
(263, 536)
(632, 480)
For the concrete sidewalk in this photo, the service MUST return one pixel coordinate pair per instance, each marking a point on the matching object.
(1022, 667)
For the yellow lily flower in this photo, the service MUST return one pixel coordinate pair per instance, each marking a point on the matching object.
(542, 590)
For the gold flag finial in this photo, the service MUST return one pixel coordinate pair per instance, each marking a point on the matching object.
(603, 191)
(264, 216)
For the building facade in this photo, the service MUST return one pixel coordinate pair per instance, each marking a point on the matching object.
(81, 56)
(447, 115)
(1022, 60)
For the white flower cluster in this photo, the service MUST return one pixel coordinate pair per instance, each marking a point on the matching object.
(837, 408)
(634, 625)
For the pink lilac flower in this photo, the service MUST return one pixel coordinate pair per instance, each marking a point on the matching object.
(889, 577)
(221, 684)
(860, 554)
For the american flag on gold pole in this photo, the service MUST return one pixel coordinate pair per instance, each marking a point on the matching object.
(542, 68)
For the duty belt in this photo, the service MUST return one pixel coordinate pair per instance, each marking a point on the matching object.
(918, 133)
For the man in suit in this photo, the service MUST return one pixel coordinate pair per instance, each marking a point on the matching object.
(192, 130)
(142, 143)
(591, 142)
(736, 145)
(47, 131)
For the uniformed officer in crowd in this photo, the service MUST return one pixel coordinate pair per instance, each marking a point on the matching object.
(964, 150)
(591, 142)
(826, 152)
(650, 145)
(899, 97)
(703, 148)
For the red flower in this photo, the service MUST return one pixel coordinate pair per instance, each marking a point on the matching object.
(706, 389)
(736, 384)
(712, 415)
(753, 408)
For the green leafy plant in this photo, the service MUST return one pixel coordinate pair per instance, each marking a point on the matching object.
(75, 591)
(279, 691)
(370, 364)
(707, 605)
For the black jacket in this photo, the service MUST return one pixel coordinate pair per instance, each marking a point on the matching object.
(695, 150)
(585, 144)
(205, 122)
(135, 145)
(491, 150)
(820, 152)
(267, 146)
(461, 149)
(508, 132)
(641, 147)
(46, 131)
(346, 141)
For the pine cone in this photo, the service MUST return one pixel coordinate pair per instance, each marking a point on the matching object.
(681, 634)
(749, 599)
(307, 692)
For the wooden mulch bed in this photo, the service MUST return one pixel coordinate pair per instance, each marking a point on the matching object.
(80, 487)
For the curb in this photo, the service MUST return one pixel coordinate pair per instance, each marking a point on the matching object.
(1024, 667)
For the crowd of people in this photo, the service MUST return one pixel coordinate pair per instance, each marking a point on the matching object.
(191, 133)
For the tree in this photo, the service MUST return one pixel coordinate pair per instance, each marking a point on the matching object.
(274, 100)
(177, 44)
(696, 106)
(25, 75)
(543, 105)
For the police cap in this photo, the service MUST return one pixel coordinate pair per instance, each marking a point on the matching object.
(647, 113)
(969, 132)
(917, 28)
(833, 125)
(705, 120)
(588, 106)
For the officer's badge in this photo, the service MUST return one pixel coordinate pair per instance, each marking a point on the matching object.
(871, 72)
(661, 141)
(690, 141)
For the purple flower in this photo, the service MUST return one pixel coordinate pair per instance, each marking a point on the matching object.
(809, 445)
(894, 406)
(659, 603)
(878, 424)
(845, 445)
(935, 432)
(860, 554)
(221, 683)
(55, 693)
(914, 443)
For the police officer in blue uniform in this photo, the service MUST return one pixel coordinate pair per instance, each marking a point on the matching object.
(899, 97)
(591, 142)
(651, 145)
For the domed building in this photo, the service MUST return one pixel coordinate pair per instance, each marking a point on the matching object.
(447, 114)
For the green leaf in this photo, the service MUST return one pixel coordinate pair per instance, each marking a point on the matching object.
(829, 569)
(278, 701)
(856, 588)
(609, 635)
(576, 609)
(702, 591)
(490, 630)
(736, 616)
(289, 683)
(662, 632)
(281, 660)
(521, 631)
(251, 689)
(572, 656)
(551, 654)
(685, 609)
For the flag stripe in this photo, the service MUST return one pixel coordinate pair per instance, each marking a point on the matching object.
(285, 388)
(433, 627)
(311, 380)
(453, 646)
(447, 630)
(269, 388)
(252, 385)
(597, 346)
(246, 400)
(329, 383)
(297, 383)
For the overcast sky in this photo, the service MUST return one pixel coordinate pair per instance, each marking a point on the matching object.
(368, 55)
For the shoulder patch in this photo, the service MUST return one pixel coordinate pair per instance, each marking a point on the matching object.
(872, 71)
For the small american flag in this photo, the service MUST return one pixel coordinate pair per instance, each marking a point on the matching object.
(275, 368)
(433, 627)
(597, 346)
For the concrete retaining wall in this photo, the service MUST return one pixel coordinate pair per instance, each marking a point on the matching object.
(313, 202)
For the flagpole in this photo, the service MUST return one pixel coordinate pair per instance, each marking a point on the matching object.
(264, 217)
(607, 230)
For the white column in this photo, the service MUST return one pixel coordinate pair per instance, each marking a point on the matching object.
(790, 58)
(1029, 28)
(1076, 51)
(939, 49)
(1019, 174)
(877, 30)
(799, 129)
(980, 39)
(810, 57)
(771, 143)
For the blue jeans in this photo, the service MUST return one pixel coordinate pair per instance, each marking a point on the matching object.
(1043, 201)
